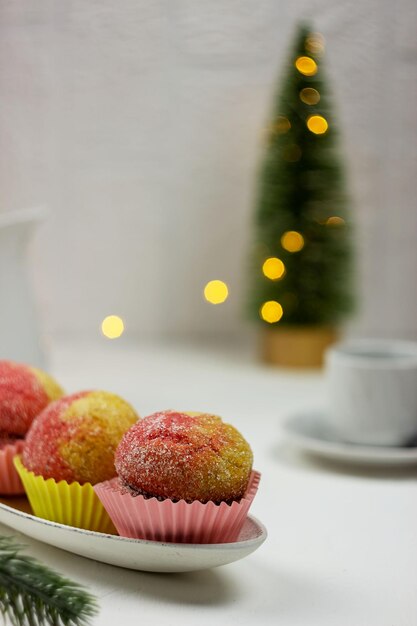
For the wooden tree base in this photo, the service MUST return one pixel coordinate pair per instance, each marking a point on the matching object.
(299, 346)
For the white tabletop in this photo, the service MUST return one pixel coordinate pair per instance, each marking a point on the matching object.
(342, 545)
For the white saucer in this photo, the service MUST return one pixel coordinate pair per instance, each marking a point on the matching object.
(309, 432)
(137, 554)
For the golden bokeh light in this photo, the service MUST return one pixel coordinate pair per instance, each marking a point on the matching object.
(317, 124)
(271, 311)
(315, 43)
(308, 95)
(335, 221)
(112, 326)
(306, 66)
(216, 291)
(273, 268)
(292, 241)
(281, 125)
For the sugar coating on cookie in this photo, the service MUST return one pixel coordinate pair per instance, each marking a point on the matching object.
(189, 456)
(24, 392)
(75, 438)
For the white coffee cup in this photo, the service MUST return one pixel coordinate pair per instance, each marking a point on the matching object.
(372, 391)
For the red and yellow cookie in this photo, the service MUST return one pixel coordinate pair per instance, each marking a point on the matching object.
(70, 447)
(185, 456)
(75, 438)
(24, 392)
(182, 477)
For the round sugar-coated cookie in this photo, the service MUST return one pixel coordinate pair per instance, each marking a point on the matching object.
(189, 456)
(75, 438)
(24, 392)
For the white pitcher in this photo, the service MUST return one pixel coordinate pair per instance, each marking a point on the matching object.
(19, 331)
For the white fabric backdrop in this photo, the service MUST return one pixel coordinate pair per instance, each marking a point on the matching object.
(139, 124)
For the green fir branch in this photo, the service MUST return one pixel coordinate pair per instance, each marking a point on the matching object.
(31, 594)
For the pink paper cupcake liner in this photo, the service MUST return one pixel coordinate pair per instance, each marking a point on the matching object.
(10, 483)
(138, 517)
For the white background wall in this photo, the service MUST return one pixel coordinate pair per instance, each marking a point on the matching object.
(139, 123)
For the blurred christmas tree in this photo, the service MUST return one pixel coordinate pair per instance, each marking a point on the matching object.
(302, 261)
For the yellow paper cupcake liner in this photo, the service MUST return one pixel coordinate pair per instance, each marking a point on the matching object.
(72, 504)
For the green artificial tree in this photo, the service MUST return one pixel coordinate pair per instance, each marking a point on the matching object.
(302, 260)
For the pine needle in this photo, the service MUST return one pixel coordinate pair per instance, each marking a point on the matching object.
(31, 594)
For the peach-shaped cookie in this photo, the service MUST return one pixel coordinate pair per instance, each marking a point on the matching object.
(185, 456)
(69, 448)
(24, 392)
(183, 477)
(75, 438)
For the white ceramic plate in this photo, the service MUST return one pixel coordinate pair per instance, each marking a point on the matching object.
(148, 556)
(309, 432)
